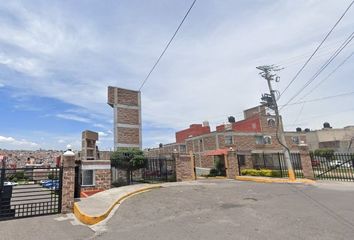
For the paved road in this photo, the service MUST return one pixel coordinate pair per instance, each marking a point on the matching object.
(215, 210)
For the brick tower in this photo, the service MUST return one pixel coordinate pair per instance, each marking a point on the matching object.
(126, 106)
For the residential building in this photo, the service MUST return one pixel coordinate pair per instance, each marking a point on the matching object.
(338, 139)
(254, 138)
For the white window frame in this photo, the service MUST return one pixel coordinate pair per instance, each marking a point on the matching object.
(93, 178)
(232, 140)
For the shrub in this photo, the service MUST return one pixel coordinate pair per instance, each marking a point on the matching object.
(213, 172)
(119, 183)
(261, 172)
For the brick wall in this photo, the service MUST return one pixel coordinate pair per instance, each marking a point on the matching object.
(184, 167)
(128, 135)
(127, 116)
(102, 181)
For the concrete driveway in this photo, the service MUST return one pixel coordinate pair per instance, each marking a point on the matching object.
(214, 209)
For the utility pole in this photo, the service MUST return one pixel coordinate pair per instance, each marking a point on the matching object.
(270, 101)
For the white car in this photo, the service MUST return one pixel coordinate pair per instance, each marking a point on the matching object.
(339, 163)
(10, 183)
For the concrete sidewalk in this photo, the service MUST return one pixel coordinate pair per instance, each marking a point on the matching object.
(97, 207)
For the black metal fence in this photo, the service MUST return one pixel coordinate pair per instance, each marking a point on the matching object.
(333, 166)
(276, 162)
(159, 169)
(30, 191)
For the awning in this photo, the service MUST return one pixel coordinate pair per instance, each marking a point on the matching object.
(216, 152)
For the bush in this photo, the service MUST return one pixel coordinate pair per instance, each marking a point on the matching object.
(261, 172)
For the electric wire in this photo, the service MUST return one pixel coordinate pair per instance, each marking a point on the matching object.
(166, 47)
(309, 59)
(322, 68)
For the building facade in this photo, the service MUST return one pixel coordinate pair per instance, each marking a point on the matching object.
(338, 139)
(253, 138)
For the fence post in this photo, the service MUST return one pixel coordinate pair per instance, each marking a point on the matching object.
(68, 182)
(306, 163)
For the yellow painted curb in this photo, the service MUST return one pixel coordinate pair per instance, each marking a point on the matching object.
(273, 180)
(90, 220)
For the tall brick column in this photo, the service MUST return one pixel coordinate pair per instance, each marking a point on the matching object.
(184, 167)
(306, 161)
(232, 164)
(68, 182)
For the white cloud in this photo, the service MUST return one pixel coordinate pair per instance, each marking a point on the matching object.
(207, 73)
(73, 117)
(102, 134)
(10, 143)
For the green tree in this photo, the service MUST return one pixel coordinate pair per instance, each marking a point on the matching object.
(128, 159)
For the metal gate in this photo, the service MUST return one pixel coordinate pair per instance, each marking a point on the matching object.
(333, 166)
(159, 169)
(30, 191)
(275, 162)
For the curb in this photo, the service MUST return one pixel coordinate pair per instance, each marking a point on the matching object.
(273, 180)
(91, 220)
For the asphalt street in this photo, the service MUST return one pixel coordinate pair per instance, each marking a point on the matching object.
(218, 209)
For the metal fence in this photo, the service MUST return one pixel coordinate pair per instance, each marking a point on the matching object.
(28, 192)
(276, 162)
(158, 169)
(333, 166)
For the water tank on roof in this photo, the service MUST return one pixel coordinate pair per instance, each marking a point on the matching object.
(231, 119)
(205, 124)
(160, 145)
(307, 130)
(326, 125)
(298, 129)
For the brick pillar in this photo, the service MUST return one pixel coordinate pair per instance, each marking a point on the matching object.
(232, 164)
(306, 161)
(184, 167)
(68, 183)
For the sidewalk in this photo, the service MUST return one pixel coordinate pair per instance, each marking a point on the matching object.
(273, 180)
(97, 207)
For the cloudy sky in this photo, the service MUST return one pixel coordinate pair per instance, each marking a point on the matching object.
(58, 57)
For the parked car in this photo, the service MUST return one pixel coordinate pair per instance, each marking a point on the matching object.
(50, 183)
(339, 163)
(315, 162)
(10, 183)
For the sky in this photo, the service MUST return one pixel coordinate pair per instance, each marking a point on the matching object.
(58, 57)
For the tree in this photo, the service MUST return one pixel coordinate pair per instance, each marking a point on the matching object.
(128, 159)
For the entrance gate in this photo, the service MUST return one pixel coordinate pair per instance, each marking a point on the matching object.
(30, 191)
(333, 166)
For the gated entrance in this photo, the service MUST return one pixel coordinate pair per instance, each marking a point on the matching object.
(333, 166)
(30, 191)
(275, 162)
(158, 169)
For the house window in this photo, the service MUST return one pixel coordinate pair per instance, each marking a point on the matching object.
(259, 140)
(88, 178)
(182, 148)
(228, 140)
(241, 160)
(263, 140)
(295, 140)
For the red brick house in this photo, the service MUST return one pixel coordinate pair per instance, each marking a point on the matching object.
(253, 138)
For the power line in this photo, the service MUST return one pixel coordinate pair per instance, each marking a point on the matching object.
(320, 99)
(309, 59)
(323, 67)
(168, 44)
(329, 75)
